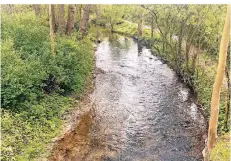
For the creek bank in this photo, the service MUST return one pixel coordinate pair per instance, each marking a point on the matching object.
(77, 139)
(76, 116)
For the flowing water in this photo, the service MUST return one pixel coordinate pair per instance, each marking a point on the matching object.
(141, 110)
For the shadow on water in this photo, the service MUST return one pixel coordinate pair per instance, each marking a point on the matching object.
(141, 111)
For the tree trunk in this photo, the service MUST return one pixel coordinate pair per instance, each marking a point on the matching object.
(80, 12)
(53, 18)
(212, 132)
(96, 26)
(139, 33)
(152, 28)
(61, 20)
(178, 56)
(70, 19)
(227, 108)
(84, 21)
(179, 48)
(194, 58)
(187, 50)
(51, 30)
(96, 12)
(37, 9)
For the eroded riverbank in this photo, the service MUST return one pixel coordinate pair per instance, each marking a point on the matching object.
(139, 111)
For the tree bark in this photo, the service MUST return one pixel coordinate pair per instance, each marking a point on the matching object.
(97, 18)
(37, 9)
(152, 28)
(194, 58)
(61, 20)
(139, 33)
(84, 20)
(187, 50)
(80, 12)
(212, 132)
(179, 55)
(70, 20)
(51, 30)
(54, 25)
(227, 108)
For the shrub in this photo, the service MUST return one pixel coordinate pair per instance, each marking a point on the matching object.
(34, 82)
(20, 80)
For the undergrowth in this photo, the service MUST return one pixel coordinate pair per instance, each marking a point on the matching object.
(35, 85)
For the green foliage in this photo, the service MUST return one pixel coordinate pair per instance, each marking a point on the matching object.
(20, 79)
(34, 82)
(24, 134)
(28, 64)
(112, 14)
(28, 33)
(77, 65)
(126, 28)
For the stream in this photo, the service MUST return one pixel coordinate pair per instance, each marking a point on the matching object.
(141, 111)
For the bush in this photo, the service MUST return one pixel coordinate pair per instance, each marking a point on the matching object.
(29, 35)
(34, 82)
(75, 60)
(29, 69)
(21, 79)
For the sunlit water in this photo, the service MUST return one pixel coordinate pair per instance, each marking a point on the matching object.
(142, 111)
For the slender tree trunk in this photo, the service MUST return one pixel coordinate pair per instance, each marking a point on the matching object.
(163, 46)
(179, 48)
(70, 20)
(51, 30)
(53, 18)
(37, 9)
(78, 8)
(84, 21)
(80, 12)
(61, 20)
(212, 132)
(227, 108)
(140, 24)
(96, 12)
(96, 26)
(152, 28)
(194, 58)
(178, 56)
(112, 27)
(187, 50)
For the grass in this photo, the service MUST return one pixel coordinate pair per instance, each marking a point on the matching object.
(221, 152)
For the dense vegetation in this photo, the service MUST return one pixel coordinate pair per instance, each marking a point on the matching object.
(37, 82)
